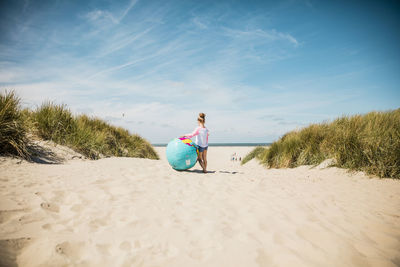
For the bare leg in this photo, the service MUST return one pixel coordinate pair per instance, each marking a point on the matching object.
(204, 158)
(201, 162)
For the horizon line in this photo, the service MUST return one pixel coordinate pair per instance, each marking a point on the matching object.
(225, 144)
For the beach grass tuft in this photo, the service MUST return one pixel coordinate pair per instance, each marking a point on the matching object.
(254, 153)
(109, 140)
(13, 139)
(369, 143)
(91, 137)
(54, 122)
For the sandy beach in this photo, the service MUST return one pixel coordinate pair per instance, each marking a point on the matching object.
(140, 212)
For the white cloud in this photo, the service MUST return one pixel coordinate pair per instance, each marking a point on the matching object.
(175, 111)
(8, 75)
(163, 78)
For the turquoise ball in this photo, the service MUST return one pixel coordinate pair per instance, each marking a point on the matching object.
(181, 153)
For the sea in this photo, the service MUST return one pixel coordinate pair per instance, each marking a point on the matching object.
(225, 144)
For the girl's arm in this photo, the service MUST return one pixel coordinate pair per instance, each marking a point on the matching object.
(194, 133)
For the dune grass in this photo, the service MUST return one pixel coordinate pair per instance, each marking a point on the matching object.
(369, 143)
(252, 154)
(110, 140)
(91, 137)
(13, 139)
(54, 122)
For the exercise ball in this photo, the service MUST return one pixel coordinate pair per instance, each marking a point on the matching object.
(181, 153)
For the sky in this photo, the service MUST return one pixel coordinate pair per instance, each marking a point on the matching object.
(256, 68)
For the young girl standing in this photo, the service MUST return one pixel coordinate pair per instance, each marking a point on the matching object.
(201, 139)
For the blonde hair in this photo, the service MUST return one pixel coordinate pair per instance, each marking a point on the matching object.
(202, 118)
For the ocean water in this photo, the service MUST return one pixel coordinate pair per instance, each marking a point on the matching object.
(225, 144)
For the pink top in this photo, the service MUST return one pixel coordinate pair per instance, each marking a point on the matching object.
(201, 136)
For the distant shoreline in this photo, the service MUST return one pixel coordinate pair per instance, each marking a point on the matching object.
(225, 144)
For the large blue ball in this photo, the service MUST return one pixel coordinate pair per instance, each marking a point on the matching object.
(181, 153)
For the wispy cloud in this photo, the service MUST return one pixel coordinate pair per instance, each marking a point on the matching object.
(126, 11)
(263, 35)
(120, 42)
(98, 15)
(160, 63)
(199, 23)
(158, 57)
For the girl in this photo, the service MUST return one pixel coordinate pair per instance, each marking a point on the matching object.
(201, 134)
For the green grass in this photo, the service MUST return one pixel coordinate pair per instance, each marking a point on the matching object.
(13, 139)
(369, 143)
(254, 153)
(91, 137)
(54, 122)
(109, 140)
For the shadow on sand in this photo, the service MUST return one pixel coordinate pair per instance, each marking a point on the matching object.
(228, 172)
(43, 155)
(198, 171)
(201, 171)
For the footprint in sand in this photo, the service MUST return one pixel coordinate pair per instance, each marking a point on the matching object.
(227, 231)
(263, 259)
(10, 248)
(97, 223)
(31, 217)
(6, 215)
(76, 208)
(50, 207)
(58, 196)
(126, 246)
(103, 249)
(46, 226)
(100, 181)
(72, 250)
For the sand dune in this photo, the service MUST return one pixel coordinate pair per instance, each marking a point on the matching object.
(139, 212)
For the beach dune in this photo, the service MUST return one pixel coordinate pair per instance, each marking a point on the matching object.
(140, 212)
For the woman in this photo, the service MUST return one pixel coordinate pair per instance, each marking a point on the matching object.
(201, 140)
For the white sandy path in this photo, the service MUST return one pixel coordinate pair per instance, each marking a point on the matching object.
(139, 212)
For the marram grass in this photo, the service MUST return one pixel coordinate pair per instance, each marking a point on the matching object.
(254, 153)
(13, 139)
(369, 143)
(91, 137)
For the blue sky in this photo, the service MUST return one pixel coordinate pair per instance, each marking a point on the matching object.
(256, 68)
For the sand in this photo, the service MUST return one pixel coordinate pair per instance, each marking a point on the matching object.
(140, 212)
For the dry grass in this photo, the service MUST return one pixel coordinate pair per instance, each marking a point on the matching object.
(252, 154)
(13, 139)
(92, 137)
(369, 143)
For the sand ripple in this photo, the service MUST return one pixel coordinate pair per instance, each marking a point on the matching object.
(138, 212)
